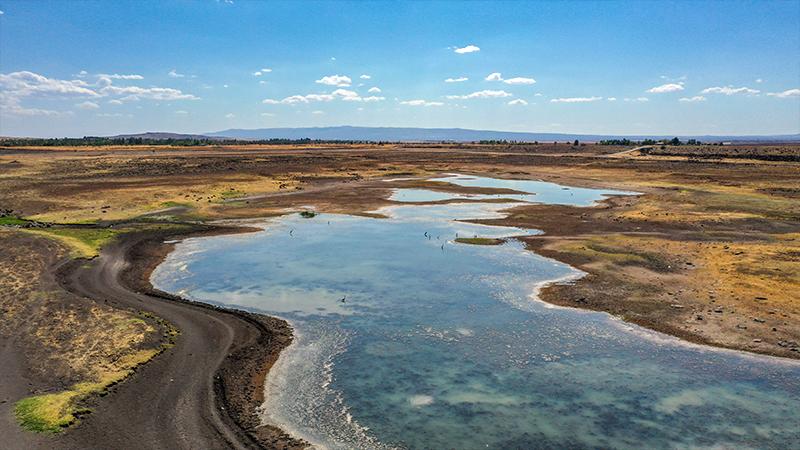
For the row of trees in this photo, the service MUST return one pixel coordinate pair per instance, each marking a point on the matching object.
(90, 141)
(673, 141)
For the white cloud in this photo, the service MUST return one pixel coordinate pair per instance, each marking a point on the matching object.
(575, 99)
(225, 86)
(115, 102)
(230, 115)
(266, 114)
(116, 76)
(262, 82)
(494, 76)
(335, 80)
(109, 114)
(518, 101)
(16, 86)
(537, 94)
(374, 90)
(519, 80)
(420, 102)
(468, 49)
(612, 99)
(669, 87)
(729, 90)
(318, 112)
(497, 76)
(786, 94)
(181, 112)
(456, 80)
(365, 77)
(153, 93)
(87, 105)
(1, 12)
(257, 73)
(174, 74)
(481, 94)
(759, 80)
(638, 99)
(343, 94)
(696, 98)
(266, 70)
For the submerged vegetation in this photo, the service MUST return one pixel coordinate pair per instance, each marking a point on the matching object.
(479, 241)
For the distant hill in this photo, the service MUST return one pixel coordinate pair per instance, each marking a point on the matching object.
(458, 135)
(163, 135)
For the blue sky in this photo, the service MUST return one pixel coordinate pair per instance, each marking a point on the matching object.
(72, 68)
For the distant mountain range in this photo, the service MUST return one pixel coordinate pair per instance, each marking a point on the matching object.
(392, 134)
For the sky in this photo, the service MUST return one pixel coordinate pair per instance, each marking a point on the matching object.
(76, 68)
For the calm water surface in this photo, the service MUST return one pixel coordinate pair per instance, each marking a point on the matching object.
(444, 345)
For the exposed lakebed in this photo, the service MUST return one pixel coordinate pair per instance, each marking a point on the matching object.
(405, 338)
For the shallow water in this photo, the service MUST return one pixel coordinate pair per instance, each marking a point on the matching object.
(441, 345)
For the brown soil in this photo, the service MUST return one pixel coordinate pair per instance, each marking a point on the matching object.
(710, 252)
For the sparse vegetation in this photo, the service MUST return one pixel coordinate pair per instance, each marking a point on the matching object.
(307, 214)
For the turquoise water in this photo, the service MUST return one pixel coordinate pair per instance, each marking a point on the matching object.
(444, 345)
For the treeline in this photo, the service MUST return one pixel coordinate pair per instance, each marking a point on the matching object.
(673, 141)
(90, 141)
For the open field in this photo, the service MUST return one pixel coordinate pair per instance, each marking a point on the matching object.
(710, 252)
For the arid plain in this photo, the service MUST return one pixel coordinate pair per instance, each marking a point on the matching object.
(709, 252)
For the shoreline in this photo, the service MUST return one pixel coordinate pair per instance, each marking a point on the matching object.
(237, 382)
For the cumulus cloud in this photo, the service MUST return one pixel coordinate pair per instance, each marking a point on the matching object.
(696, 98)
(518, 101)
(519, 80)
(335, 80)
(134, 93)
(664, 88)
(786, 94)
(759, 80)
(16, 86)
(365, 77)
(230, 115)
(318, 112)
(342, 94)
(257, 73)
(468, 49)
(115, 102)
(174, 74)
(481, 94)
(575, 99)
(181, 112)
(374, 90)
(87, 105)
(497, 76)
(638, 99)
(420, 102)
(456, 80)
(612, 99)
(115, 76)
(494, 76)
(729, 90)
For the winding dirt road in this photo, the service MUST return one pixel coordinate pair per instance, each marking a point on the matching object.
(185, 398)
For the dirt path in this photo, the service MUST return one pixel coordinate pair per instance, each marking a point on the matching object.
(181, 399)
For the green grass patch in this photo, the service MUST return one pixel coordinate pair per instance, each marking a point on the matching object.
(232, 193)
(85, 242)
(12, 221)
(480, 241)
(172, 204)
(49, 413)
